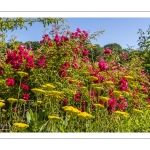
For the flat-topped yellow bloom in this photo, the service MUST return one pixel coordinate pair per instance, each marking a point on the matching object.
(83, 88)
(98, 88)
(49, 85)
(4, 110)
(44, 86)
(54, 117)
(22, 74)
(99, 105)
(37, 91)
(129, 77)
(2, 100)
(22, 100)
(104, 98)
(117, 93)
(92, 78)
(109, 82)
(85, 115)
(137, 110)
(58, 83)
(122, 113)
(71, 109)
(12, 100)
(39, 102)
(126, 93)
(148, 105)
(21, 125)
(2, 104)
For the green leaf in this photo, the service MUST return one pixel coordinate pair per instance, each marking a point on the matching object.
(28, 117)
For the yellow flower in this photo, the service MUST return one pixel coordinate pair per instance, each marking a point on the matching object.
(39, 102)
(21, 125)
(122, 113)
(12, 100)
(109, 82)
(22, 74)
(4, 110)
(129, 77)
(148, 106)
(37, 91)
(54, 117)
(104, 98)
(22, 100)
(44, 86)
(71, 109)
(85, 115)
(126, 93)
(98, 88)
(2, 104)
(2, 100)
(137, 110)
(99, 105)
(49, 85)
(92, 78)
(117, 93)
(58, 83)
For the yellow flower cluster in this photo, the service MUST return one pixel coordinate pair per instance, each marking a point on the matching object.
(12, 100)
(49, 85)
(22, 74)
(71, 109)
(37, 91)
(55, 94)
(92, 78)
(129, 77)
(99, 105)
(109, 82)
(86, 73)
(2, 104)
(117, 93)
(21, 125)
(137, 110)
(122, 113)
(54, 117)
(104, 98)
(85, 115)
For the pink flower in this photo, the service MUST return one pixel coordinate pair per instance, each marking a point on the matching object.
(85, 52)
(25, 96)
(124, 56)
(10, 82)
(25, 86)
(50, 44)
(77, 96)
(103, 65)
(41, 62)
(65, 101)
(108, 51)
(143, 73)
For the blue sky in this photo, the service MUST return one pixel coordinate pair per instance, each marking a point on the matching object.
(117, 30)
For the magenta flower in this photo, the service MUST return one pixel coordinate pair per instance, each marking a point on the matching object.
(108, 51)
(85, 52)
(10, 82)
(25, 96)
(25, 86)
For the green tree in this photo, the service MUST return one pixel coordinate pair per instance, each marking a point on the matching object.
(115, 47)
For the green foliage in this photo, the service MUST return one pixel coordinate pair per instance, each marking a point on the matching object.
(15, 23)
(115, 47)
